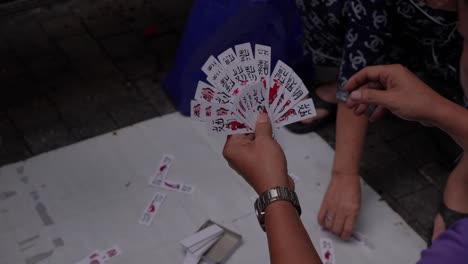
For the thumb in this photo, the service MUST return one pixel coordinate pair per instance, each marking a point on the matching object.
(263, 126)
(370, 96)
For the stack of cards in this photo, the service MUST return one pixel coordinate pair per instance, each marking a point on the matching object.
(101, 256)
(196, 245)
(212, 244)
(241, 85)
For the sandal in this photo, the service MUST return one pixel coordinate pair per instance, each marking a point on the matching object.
(449, 217)
(301, 128)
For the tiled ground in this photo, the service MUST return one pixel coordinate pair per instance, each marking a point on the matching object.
(76, 69)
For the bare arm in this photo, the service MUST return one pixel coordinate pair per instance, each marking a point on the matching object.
(288, 240)
(261, 161)
(350, 134)
(453, 119)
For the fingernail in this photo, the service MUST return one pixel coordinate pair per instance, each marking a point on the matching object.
(263, 118)
(356, 95)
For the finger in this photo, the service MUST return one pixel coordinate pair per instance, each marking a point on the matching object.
(329, 219)
(370, 96)
(250, 136)
(375, 85)
(351, 103)
(321, 216)
(338, 225)
(263, 126)
(369, 74)
(348, 227)
(378, 113)
(360, 109)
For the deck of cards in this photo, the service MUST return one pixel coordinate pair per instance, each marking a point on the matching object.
(241, 85)
(212, 244)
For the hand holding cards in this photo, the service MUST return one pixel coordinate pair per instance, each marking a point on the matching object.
(242, 86)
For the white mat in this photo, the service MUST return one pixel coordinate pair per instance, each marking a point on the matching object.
(95, 191)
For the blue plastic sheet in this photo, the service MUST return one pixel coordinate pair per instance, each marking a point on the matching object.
(215, 25)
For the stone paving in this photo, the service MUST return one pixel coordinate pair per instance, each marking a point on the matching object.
(72, 70)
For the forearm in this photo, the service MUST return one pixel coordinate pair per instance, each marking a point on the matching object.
(350, 134)
(455, 191)
(453, 119)
(287, 238)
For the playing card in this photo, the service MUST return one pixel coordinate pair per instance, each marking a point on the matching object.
(206, 233)
(246, 59)
(299, 94)
(263, 58)
(234, 69)
(152, 208)
(164, 165)
(196, 112)
(213, 69)
(229, 125)
(111, 253)
(259, 99)
(227, 58)
(277, 80)
(327, 251)
(242, 108)
(292, 85)
(304, 109)
(95, 257)
(205, 92)
(175, 186)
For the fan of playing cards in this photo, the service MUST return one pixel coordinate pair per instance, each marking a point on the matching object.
(242, 87)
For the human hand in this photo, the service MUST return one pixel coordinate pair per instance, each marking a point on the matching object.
(258, 157)
(341, 205)
(404, 94)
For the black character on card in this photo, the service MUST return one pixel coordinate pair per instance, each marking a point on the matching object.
(227, 83)
(281, 75)
(304, 110)
(228, 59)
(260, 67)
(290, 84)
(218, 125)
(266, 68)
(251, 72)
(222, 98)
(297, 94)
(263, 52)
(239, 74)
(244, 55)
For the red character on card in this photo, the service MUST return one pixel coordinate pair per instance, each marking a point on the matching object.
(274, 92)
(196, 110)
(207, 94)
(263, 80)
(234, 125)
(289, 113)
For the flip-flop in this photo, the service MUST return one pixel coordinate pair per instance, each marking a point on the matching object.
(301, 128)
(449, 216)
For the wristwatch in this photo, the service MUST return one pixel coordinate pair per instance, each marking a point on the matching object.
(274, 194)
